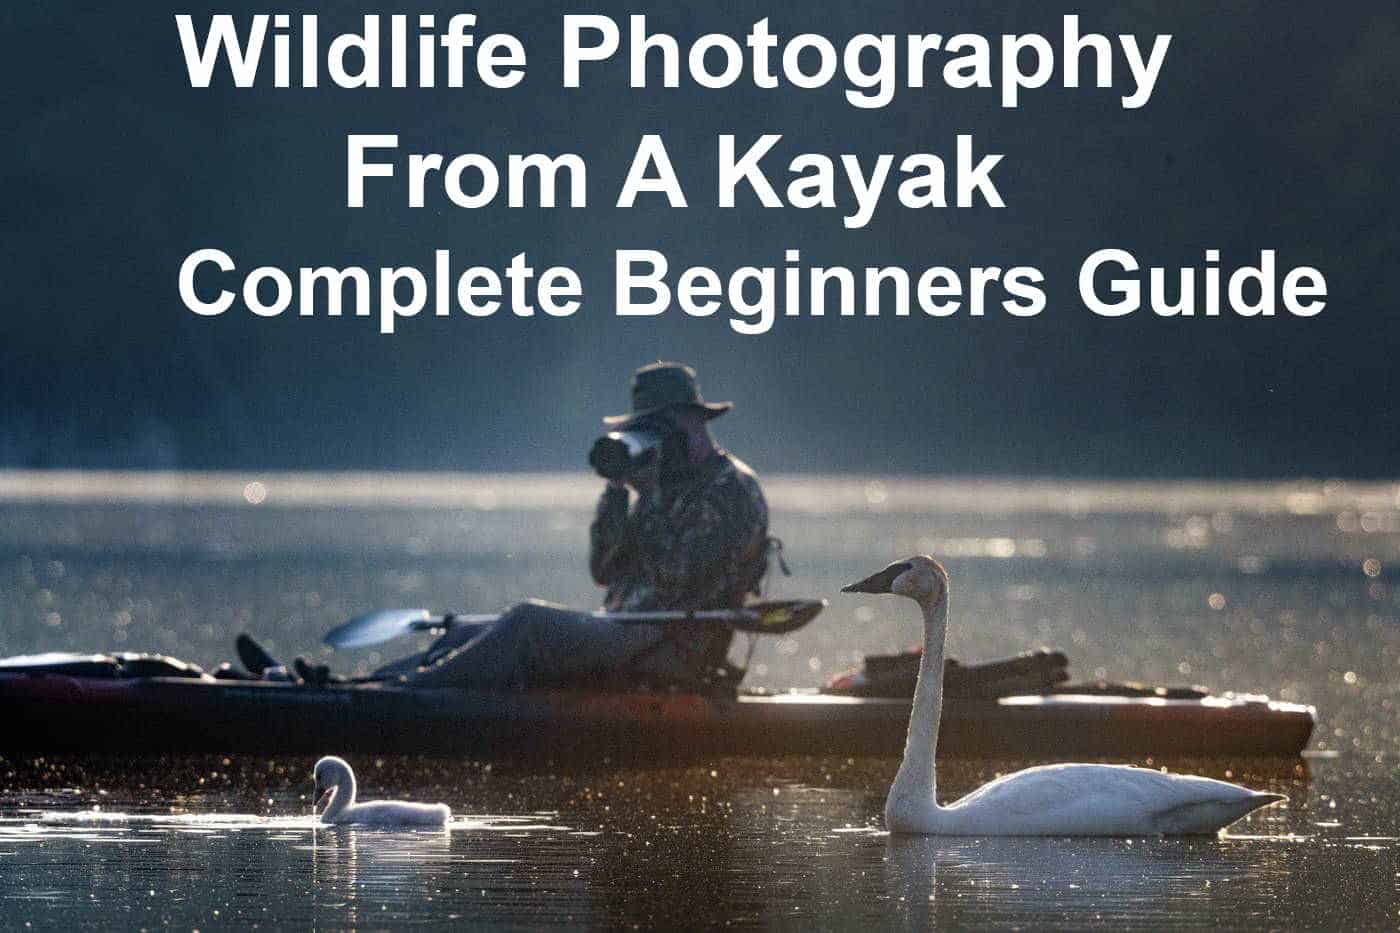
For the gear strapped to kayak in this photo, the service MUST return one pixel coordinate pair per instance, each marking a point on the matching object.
(894, 675)
(1036, 673)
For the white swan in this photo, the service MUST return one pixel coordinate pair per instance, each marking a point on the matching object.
(334, 779)
(1053, 800)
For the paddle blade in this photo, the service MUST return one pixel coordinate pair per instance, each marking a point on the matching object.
(779, 617)
(375, 628)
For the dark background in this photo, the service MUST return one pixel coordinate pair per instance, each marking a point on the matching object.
(1273, 125)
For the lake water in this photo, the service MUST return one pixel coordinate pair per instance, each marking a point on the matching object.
(1288, 589)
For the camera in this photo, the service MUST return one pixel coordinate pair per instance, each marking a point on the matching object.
(619, 454)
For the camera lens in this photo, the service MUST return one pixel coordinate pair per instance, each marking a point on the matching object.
(617, 455)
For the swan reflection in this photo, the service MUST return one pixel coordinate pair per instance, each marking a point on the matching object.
(947, 880)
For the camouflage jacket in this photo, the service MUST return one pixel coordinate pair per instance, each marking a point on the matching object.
(701, 544)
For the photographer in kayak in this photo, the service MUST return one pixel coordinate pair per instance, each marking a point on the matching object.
(694, 537)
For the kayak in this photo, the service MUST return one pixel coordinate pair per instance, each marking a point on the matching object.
(50, 711)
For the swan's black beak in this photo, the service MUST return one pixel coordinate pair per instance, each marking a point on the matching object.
(320, 795)
(878, 582)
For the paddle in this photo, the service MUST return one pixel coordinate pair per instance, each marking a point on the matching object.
(768, 618)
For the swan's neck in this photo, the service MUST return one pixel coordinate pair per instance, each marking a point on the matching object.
(344, 795)
(917, 777)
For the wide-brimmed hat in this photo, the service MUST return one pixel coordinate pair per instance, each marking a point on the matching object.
(658, 386)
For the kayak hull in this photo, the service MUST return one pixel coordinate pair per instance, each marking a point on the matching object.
(60, 713)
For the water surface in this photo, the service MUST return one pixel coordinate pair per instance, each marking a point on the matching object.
(1286, 589)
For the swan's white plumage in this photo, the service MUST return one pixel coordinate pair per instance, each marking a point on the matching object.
(1082, 800)
(335, 776)
(1052, 800)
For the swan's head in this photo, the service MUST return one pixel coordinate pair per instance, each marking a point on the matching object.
(922, 579)
(330, 772)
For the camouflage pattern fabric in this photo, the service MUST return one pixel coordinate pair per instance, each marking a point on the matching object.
(700, 543)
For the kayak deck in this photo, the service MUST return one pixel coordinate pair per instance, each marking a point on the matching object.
(54, 712)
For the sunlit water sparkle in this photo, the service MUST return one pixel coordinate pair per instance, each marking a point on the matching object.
(1287, 589)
